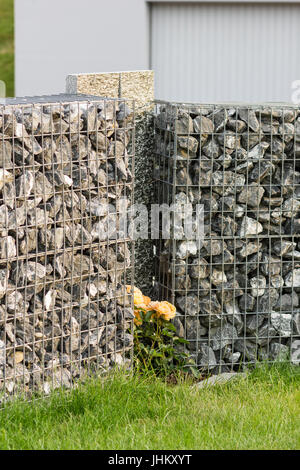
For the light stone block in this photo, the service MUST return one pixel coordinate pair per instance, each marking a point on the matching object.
(135, 85)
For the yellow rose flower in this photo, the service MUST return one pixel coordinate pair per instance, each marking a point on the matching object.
(147, 300)
(164, 309)
(137, 320)
(140, 301)
(132, 289)
(138, 298)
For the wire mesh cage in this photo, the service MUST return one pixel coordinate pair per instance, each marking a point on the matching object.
(66, 181)
(236, 287)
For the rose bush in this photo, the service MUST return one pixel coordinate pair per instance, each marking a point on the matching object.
(157, 347)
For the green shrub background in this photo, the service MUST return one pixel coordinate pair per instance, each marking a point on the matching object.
(7, 45)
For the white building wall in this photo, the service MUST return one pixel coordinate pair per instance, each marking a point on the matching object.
(225, 52)
(54, 38)
(211, 50)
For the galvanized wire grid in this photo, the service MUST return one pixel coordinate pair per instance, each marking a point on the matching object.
(66, 165)
(237, 290)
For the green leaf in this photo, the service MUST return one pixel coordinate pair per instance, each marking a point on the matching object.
(165, 332)
(181, 340)
(156, 354)
(170, 326)
(148, 315)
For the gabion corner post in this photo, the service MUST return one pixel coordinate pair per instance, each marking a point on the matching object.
(66, 182)
(135, 85)
(237, 292)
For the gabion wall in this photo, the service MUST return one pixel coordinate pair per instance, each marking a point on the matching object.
(238, 289)
(64, 168)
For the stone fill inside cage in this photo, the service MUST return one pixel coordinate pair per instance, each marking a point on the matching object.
(237, 287)
(66, 171)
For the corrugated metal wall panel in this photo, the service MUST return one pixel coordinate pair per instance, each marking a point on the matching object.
(225, 52)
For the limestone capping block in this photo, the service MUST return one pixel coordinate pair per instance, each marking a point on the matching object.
(137, 85)
(103, 84)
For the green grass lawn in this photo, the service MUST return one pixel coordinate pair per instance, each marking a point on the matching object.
(7, 45)
(258, 412)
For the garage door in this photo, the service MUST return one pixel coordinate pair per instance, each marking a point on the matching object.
(225, 52)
